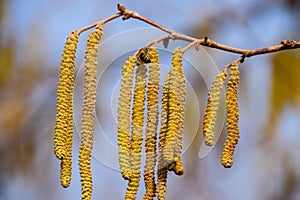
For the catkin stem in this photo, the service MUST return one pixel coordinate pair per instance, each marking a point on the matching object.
(88, 112)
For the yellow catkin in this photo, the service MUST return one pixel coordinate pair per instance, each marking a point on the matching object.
(162, 168)
(181, 92)
(177, 92)
(124, 116)
(64, 126)
(232, 117)
(152, 122)
(88, 112)
(210, 115)
(137, 131)
(172, 118)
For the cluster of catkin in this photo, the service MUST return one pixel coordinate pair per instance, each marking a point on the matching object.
(139, 93)
(138, 117)
(210, 115)
(64, 118)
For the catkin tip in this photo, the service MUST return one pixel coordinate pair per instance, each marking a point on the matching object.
(85, 173)
(176, 166)
(227, 159)
(65, 172)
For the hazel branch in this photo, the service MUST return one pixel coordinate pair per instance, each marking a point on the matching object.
(284, 45)
(245, 53)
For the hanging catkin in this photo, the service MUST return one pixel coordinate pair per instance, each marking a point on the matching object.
(88, 112)
(152, 122)
(176, 93)
(232, 117)
(64, 127)
(181, 93)
(162, 168)
(137, 131)
(209, 118)
(124, 116)
(172, 118)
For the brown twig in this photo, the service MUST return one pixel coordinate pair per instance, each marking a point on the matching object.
(158, 40)
(104, 21)
(245, 53)
(239, 60)
(190, 45)
(284, 45)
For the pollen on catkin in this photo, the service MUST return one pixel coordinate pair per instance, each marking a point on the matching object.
(88, 112)
(232, 117)
(124, 116)
(137, 124)
(210, 115)
(152, 122)
(64, 119)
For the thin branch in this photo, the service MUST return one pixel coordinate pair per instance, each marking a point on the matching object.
(284, 45)
(245, 53)
(190, 45)
(158, 40)
(104, 21)
(174, 35)
(239, 60)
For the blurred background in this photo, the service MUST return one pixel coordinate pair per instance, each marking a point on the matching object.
(267, 157)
